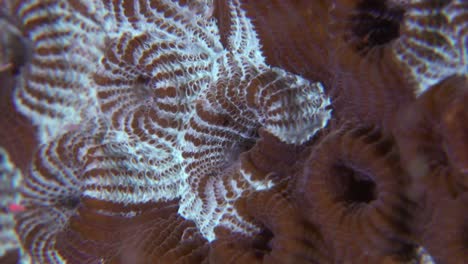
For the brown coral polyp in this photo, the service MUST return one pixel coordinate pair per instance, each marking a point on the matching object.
(284, 236)
(156, 234)
(355, 189)
(446, 234)
(367, 84)
(430, 133)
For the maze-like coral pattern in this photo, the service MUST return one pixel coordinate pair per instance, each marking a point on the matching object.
(433, 42)
(10, 180)
(54, 89)
(138, 102)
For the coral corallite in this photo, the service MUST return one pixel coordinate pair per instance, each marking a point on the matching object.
(233, 131)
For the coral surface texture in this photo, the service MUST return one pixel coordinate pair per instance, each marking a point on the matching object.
(234, 131)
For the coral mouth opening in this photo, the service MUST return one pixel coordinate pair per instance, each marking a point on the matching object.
(352, 186)
(373, 24)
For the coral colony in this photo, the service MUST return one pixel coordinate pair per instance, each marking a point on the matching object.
(234, 131)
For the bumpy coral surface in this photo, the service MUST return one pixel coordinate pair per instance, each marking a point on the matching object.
(233, 131)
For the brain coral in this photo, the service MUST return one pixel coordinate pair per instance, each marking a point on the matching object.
(233, 131)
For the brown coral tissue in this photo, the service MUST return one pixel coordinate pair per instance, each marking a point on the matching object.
(354, 187)
(233, 131)
(445, 235)
(432, 134)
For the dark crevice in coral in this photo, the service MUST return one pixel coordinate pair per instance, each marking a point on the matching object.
(437, 157)
(384, 146)
(464, 233)
(262, 243)
(234, 152)
(374, 23)
(437, 4)
(141, 84)
(405, 252)
(16, 47)
(361, 131)
(70, 202)
(372, 136)
(353, 186)
(19, 56)
(313, 240)
(405, 215)
(246, 145)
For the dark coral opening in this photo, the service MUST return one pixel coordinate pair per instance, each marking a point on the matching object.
(352, 186)
(405, 252)
(262, 243)
(70, 202)
(373, 24)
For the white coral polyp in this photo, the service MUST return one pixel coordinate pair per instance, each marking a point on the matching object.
(296, 127)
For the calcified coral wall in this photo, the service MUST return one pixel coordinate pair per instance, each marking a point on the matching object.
(234, 131)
